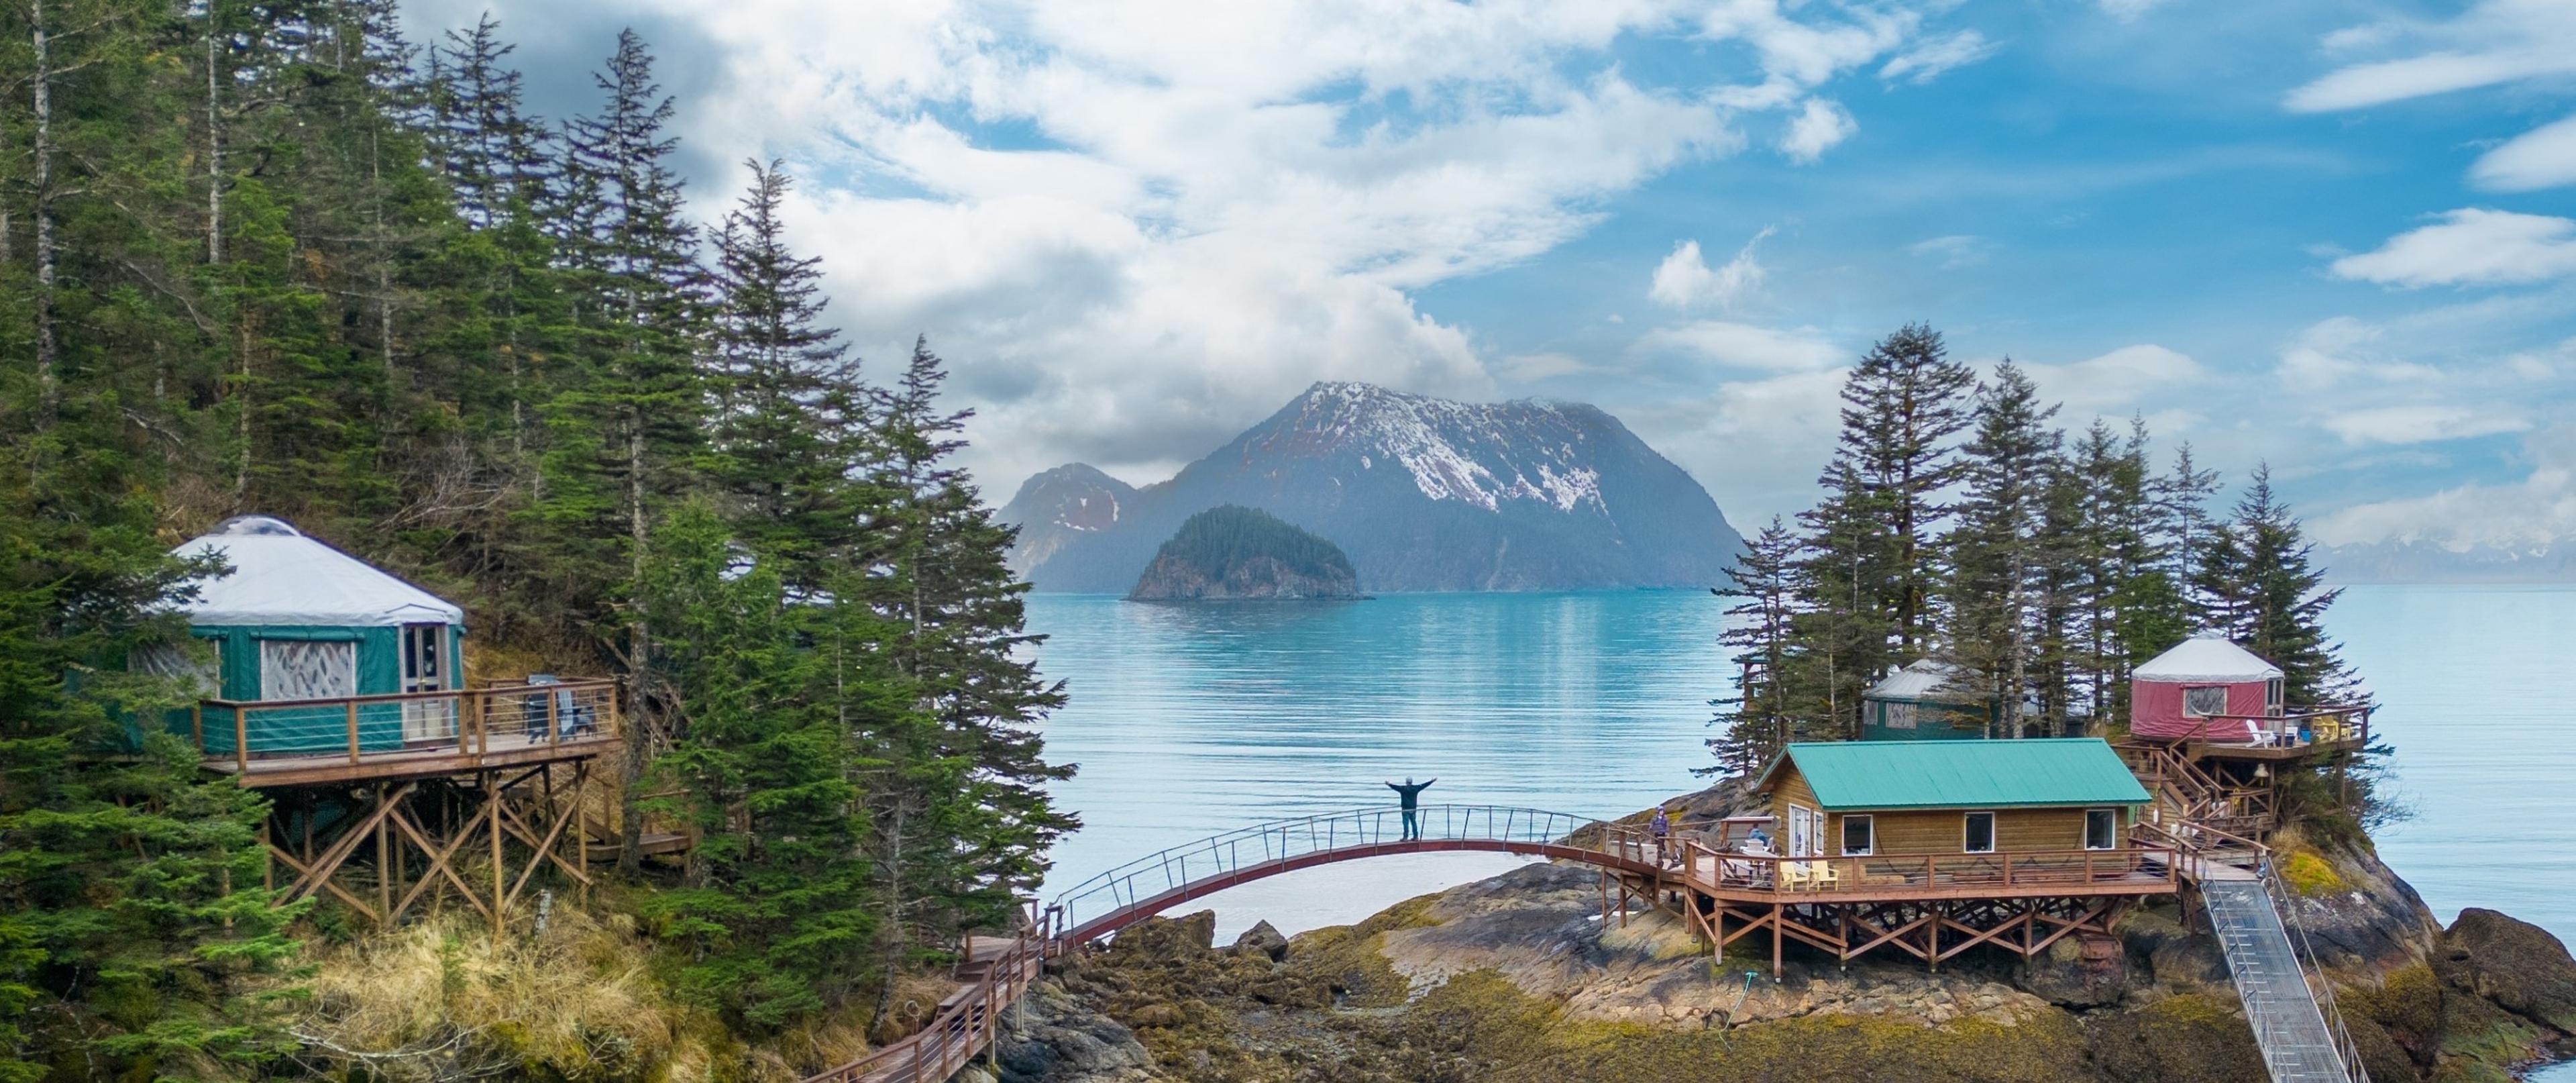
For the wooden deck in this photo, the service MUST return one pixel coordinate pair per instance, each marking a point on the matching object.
(1746, 878)
(412, 735)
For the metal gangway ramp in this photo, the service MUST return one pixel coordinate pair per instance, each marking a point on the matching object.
(2302, 1041)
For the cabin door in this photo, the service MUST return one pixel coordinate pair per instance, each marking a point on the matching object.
(1805, 831)
(425, 663)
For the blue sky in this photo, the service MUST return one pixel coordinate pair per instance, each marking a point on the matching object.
(2340, 237)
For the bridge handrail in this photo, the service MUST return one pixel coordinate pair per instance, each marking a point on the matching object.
(1137, 881)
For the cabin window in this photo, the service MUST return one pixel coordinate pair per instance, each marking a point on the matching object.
(2101, 829)
(1857, 836)
(1897, 716)
(1980, 833)
(2205, 701)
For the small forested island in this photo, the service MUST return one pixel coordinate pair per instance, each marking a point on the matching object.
(1239, 552)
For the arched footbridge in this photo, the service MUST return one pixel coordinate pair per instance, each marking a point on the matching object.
(998, 969)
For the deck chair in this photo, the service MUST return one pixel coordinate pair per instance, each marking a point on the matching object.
(1822, 876)
(1793, 875)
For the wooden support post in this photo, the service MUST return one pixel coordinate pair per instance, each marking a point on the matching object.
(267, 862)
(554, 733)
(492, 808)
(1717, 930)
(1775, 941)
(241, 746)
(384, 863)
(581, 823)
(197, 725)
(353, 731)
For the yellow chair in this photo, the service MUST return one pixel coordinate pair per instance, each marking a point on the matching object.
(1793, 875)
(1821, 875)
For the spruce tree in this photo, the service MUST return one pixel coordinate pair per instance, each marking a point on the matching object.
(1993, 550)
(2277, 598)
(624, 435)
(962, 816)
(791, 435)
(1761, 631)
(1902, 405)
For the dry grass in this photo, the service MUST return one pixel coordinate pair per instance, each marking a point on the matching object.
(579, 1001)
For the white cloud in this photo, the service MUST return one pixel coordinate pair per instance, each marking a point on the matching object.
(2115, 383)
(2470, 246)
(1954, 251)
(2538, 509)
(1136, 228)
(2544, 157)
(2491, 43)
(2128, 11)
(1927, 61)
(2420, 424)
(1684, 280)
(1745, 346)
(2337, 352)
(1817, 127)
(1755, 444)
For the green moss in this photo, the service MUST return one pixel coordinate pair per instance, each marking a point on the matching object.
(2310, 874)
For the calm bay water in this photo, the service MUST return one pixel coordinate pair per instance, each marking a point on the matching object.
(1188, 720)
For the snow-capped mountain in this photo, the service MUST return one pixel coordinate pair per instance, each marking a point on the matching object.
(2424, 561)
(1055, 507)
(1422, 493)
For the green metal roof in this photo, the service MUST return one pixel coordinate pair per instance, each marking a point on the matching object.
(1970, 774)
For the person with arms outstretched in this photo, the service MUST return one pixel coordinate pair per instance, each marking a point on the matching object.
(1409, 797)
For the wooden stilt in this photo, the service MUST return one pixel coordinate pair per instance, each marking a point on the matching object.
(384, 863)
(1776, 909)
(492, 809)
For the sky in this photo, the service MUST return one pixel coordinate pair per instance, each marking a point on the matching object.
(2334, 236)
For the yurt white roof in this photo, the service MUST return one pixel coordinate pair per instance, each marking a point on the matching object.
(279, 576)
(2208, 659)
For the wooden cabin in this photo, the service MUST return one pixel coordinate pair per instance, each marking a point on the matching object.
(1864, 799)
(1922, 702)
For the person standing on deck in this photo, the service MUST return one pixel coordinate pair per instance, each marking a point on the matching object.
(1662, 828)
(1409, 797)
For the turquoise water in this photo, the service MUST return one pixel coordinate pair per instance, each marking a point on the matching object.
(1188, 720)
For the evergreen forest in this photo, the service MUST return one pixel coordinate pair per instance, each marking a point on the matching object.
(1962, 523)
(274, 257)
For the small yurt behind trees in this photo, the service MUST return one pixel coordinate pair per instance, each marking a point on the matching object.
(1924, 702)
(295, 619)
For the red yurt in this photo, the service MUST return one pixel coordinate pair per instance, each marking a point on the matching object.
(2206, 688)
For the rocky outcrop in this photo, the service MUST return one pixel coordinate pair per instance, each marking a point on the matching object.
(1517, 978)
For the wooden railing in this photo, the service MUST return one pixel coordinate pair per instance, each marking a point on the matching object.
(968, 1023)
(470, 721)
(2132, 866)
(2300, 728)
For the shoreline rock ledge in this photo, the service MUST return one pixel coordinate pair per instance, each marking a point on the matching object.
(1515, 979)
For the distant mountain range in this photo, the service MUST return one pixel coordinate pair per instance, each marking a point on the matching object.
(2432, 562)
(1424, 494)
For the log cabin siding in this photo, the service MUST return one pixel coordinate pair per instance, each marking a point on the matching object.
(1936, 831)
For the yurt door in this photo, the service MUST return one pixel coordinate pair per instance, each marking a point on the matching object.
(424, 669)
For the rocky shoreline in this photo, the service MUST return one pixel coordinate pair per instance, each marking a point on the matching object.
(1516, 978)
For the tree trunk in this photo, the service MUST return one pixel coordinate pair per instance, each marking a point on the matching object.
(48, 350)
(214, 141)
(640, 647)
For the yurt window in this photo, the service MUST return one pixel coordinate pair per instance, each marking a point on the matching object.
(307, 669)
(2272, 696)
(2205, 701)
(203, 676)
(1897, 716)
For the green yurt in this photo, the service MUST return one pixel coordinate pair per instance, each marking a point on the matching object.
(297, 620)
(1917, 703)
